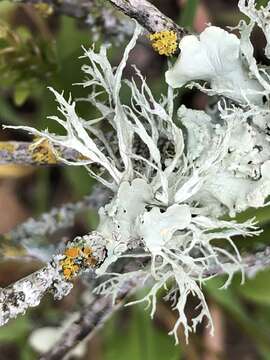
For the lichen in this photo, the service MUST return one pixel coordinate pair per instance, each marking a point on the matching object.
(7, 146)
(164, 42)
(170, 191)
(42, 152)
(77, 259)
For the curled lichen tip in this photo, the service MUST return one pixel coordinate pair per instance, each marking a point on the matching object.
(164, 42)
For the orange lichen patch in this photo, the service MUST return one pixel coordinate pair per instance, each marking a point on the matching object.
(164, 42)
(76, 259)
(42, 152)
(7, 146)
(44, 9)
(70, 269)
(70, 272)
(72, 252)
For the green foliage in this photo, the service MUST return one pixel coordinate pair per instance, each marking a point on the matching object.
(257, 289)
(189, 12)
(138, 338)
(25, 61)
(262, 3)
(15, 330)
(232, 302)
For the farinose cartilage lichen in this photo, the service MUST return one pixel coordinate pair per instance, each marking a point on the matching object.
(170, 190)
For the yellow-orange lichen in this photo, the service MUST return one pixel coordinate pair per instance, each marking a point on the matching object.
(7, 146)
(76, 259)
(42, 152)
(70, 269)
(72, 252)
(164, 42)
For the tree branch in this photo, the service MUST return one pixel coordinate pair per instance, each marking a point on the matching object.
(31, 153)
(30, 238)
(148, 16)
(257, 262)
(101, 309)
(80, 255)
(79, 9)
(91, 318)
(101, 19)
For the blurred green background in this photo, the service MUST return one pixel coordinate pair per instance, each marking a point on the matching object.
(39, 50)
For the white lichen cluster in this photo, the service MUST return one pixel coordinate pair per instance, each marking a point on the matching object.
(172, 183)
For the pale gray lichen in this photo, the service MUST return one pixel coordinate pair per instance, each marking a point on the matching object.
(29, 291)
(169, 194)
(90, 251)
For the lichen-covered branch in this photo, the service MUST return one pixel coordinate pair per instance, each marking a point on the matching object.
(30, 238)
(95, 314)
(148, 16)
(81, 254)
(28, 292)
(101, 19)
(252, 264)
(79, 9)
(99, 16)
(34, 153)
(91, 318)
(257, 262)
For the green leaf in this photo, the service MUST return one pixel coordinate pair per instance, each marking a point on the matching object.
(260, 3)
(79, 180)
(15, 330)
(262, 215)
(257, 289)
(8, 114)
(230, 302)
(21, 94)
(189, 12)
(138, 338)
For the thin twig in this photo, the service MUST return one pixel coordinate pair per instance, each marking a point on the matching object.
(101, 309)
(79, 9)
(256, 262)
(81, 254)
(91, 318)
(31, 153)
(148, 16)
(31, 237)
(101, 19)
